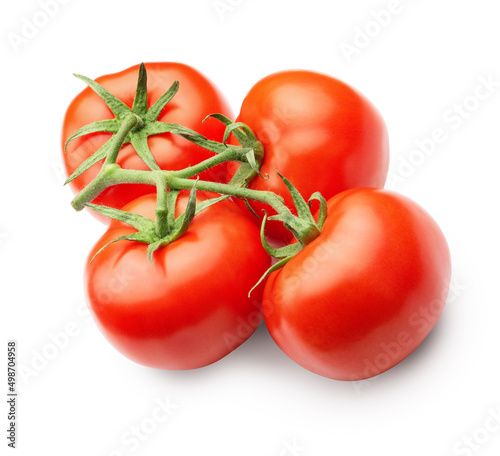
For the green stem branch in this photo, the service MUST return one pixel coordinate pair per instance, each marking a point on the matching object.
(231, 154)
(161, 207)
(163, 180)
(270, 198)
(131, 122)
(108, 176)
(114, 174)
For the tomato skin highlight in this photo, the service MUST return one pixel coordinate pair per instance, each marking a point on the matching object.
(196, 98)
(319, 133)
(190, 307)
(364, 294)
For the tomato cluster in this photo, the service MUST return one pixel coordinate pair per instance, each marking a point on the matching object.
(345, 306)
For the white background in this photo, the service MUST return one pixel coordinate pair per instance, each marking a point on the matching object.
(419, 69)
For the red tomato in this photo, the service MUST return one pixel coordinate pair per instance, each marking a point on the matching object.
(364, 294)
(197, 97)
(319, 133)
(190, 307)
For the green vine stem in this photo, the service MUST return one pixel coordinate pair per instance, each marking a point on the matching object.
(135, 125)
(113, 174)
(162, 226)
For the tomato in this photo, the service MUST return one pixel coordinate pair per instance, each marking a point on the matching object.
(319, 133)
(196, 98)
(190, 307)
(365, 293)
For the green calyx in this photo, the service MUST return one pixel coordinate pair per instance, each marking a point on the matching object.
(148, 231)
(304, 228)
(145, 122)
